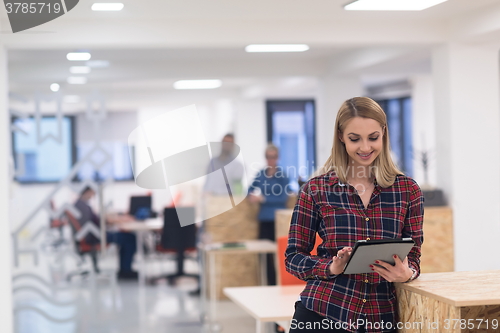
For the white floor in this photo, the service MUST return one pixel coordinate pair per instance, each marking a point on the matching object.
(89, 305)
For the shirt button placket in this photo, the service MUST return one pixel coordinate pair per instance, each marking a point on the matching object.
(367, 219)
(367, 291)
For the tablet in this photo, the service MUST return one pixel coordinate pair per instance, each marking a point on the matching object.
(365, 253)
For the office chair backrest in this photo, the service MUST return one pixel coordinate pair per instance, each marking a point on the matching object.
(174, 236)
(285, 278)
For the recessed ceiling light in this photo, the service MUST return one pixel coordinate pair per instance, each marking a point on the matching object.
(277, 48)
(71, 99)
(54, 87)
(197, 84)
(392, 4)
(97, 63)
(77, 80)
(78, 56)
(109, 7)
(79, 69)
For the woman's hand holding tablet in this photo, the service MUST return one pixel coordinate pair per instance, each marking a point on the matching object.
(399, 272)
(367, 255)
(340, 260)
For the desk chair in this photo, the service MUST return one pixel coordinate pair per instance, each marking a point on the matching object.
(84, 245)
(285, 278)
(177, 239)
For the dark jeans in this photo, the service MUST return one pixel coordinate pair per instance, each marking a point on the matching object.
(266, 231)
(128, 246)
(307, 321)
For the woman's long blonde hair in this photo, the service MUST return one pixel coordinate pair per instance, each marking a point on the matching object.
(384, 168)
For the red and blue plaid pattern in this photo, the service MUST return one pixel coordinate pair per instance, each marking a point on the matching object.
(334, 211)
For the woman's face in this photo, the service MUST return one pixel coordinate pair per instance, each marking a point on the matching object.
(363, 140)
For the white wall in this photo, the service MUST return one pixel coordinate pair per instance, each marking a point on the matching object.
(424, 131)
(333, 92)
(466, 80)
(251, 134)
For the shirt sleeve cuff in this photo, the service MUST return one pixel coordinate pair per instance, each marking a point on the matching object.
(322, 269)
(413, 267)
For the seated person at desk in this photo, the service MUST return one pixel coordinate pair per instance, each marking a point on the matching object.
(126, 241)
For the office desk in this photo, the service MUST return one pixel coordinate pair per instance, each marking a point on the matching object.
(267, 303)
(259, 246)
(451, 302)
(140, 228)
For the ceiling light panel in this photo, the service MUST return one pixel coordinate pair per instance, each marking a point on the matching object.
(78, 56)
(54, 87)
(400, 5)
(197, 84)
(277, 48)
(107, 7)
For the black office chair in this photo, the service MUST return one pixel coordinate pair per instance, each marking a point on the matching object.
(177, 239)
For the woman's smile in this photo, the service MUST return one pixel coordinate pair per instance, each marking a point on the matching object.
(365, 156)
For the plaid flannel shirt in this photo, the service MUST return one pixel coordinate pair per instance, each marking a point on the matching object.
(337, 214)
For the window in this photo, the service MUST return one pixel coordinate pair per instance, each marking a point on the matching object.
(290, 126)
(51, 161)
(398, 111)
(114, 157)
(38, 156)
(110, 158)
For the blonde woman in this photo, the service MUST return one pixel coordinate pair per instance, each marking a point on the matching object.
(361, 195)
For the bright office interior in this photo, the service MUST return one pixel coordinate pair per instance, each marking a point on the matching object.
(440, 66)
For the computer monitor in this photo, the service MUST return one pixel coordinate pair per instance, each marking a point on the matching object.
(139, 202)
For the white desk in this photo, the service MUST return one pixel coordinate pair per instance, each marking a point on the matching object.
(267, 303)
(140, 228)
(258, 246)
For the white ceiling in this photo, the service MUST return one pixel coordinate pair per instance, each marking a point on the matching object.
(152, 43)
(256, 10)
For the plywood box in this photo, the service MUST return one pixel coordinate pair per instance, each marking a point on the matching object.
(239, 223)
(437, 249)
(450, 303)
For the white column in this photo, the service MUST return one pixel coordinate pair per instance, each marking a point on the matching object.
(334, 91)
(424, 138)
(466, 81)
(250, 133)
(5, 232)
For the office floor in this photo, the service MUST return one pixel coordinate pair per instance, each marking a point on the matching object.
(88, 305)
